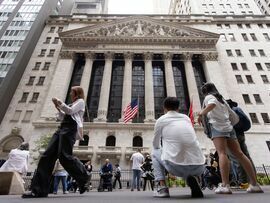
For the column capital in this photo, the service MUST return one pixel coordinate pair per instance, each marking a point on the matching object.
(67, 55)
(109, 55)
(90, 55)
(167, 56)
(187, 56)
(128, 55)
(211, 56)
(148, 56)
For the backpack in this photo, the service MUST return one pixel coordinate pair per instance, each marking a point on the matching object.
(244, 123)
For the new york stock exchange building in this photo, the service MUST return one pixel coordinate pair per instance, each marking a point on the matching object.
(119, 58)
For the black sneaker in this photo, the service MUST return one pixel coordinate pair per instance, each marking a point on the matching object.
(28, 195)
(196, 191)
(84, 186)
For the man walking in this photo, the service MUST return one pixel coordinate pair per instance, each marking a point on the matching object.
(179, 153)
(137, 161)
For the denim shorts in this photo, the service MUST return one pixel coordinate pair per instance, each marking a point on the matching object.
(216, 133)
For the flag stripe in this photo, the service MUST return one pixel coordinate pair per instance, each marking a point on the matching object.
(131, 110)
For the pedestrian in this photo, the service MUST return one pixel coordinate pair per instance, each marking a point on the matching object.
(137, 161)
(117, 176)
(61, 145)
(59, 174)
(88, 166)
(240, 129)
(17, 159)
(148, 175)
(180, 153)
(223, 136)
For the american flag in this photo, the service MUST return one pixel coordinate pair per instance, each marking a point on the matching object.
(131, 110)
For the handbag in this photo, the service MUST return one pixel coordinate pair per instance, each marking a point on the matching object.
(233, 117)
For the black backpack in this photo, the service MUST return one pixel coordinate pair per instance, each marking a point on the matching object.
(244, 123)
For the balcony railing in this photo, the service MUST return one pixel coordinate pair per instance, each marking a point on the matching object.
(109, 150)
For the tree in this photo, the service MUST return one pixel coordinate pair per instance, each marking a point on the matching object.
(40, 145)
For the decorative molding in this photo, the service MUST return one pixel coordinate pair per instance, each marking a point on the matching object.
(187, 56)
(148, 56)
(67, 55)
(109, 55)
(168, 56)
(209, 56)
(128, 55)
(90, 55)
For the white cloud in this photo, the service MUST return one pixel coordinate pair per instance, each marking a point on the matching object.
(130, 7)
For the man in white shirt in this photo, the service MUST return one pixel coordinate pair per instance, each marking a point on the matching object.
(137, 161)
(176, 149)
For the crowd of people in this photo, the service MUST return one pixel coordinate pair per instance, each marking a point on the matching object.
(176, 151)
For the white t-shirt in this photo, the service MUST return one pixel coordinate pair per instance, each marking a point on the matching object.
(180, 145)
(219, 116)
(137, 160)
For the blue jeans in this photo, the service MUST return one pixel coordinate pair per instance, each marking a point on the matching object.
(56, 183)
(178, 170)
(136, 179)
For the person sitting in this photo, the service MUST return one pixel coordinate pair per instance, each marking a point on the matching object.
(180, 153)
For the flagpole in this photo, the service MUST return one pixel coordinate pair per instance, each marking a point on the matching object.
(138, 107)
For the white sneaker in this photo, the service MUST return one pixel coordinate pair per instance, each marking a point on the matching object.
(254, 189)
(223, 189)
(161, 192)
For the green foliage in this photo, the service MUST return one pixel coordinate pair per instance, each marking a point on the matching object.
(262, 179)
(41, 144)
(170, 182)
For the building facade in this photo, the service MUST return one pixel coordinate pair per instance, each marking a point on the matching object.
(214, 7)
(21, 23)
(90, 6)
(264, 6)
(118, 58)
(161, 6)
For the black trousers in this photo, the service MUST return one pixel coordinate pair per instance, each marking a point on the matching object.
(60, 147)
(145, 183)
(119, 182)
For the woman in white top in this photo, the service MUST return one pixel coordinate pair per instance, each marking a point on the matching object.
(60, 147)
(223, 137)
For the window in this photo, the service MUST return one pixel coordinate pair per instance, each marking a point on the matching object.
(223, 38)
(244, 35)
(267, 66)
(266, 36)
(41, 80)
(35, 97)
(227, 26)
(258, 66)
(261, 52)
(85, 141)
(231, 37)
(249, 79)
(265, 79)
(260, 25)
(239, 79)
(42, 52)
(47, 41)
(52, 29)
(60, 29)
(229, 52)
(234, 66)
(238, 52)
(239, 5)
(247, 6)
(27, 116)
(244, 66)
(37, 66)
(240, 26)
(46, 66)
(248, 26)
(246, 98)
(31, 80)
(137, 141)
(257, 98)
(56, 40)
(252, 52)
(265, 117)
(24, 97)
(219, 26)
(51, 53)
(254, 118)
(110, 141)
(253, 37)
(16, 115)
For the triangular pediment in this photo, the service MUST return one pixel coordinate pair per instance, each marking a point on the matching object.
(141, 28)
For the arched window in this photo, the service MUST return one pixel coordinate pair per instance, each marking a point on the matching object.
(137, 141)
(85, 141)
(110, 141)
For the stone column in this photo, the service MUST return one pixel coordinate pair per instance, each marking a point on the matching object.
(105, 89)
(149, 90)
(170, 86)
(191, 82)
(127, 83)
(86, 76)
(214, 73)
(59, 84)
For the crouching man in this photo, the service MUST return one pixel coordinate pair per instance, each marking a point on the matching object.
(176, 149)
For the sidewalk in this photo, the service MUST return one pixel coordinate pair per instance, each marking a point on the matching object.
(179, 195)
